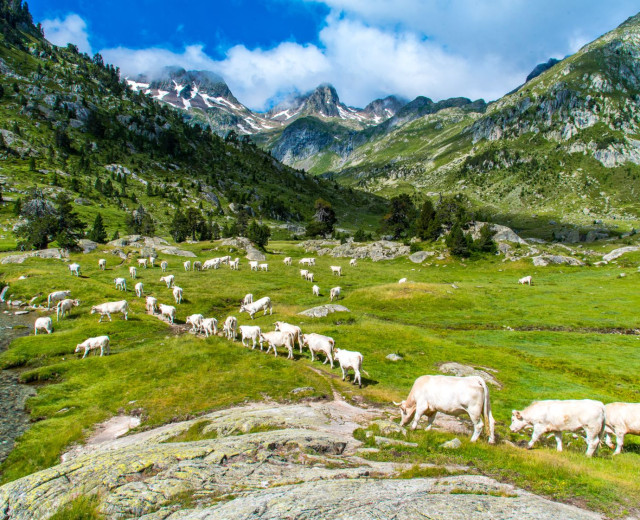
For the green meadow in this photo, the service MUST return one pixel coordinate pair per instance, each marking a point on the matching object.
(570, 335)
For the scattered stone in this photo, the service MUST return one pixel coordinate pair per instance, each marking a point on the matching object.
(420, 256)
(302, 389)
(386, 441)
(324, 310)
(389, 427)
(453, 444)
(457, 369)
(20, 313)
(622, 275)
(394, 357)
(617, 253)
(23, 277)
(545, 260)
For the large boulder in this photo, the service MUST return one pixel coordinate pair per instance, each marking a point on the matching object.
(87, 245)
(54, 253)
(545, 260)
(420, 256)
(617, 253)
(175, 251)
(380, 250)
(457, 369)
(324, 310)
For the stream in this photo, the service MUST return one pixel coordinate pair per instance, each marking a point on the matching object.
(14, 420)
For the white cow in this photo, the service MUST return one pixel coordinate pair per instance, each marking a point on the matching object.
(307, 261)
(309, 277)
(253, 265)
(163, 265)
(168, 280)
(43, 324)
(450, 395)
(316, 290)
(65, 306)
(109, 308)
(350, 360)
(251, 332)
(151, 304)
(304, 273)
(278, 339)
(187, 265)
(287, 260)
(213, 263)
(353, 262)
(197, 265)
(121, 283)
(234, 264)
(177, 294)
(336, 269)
(248, 298)
(334, 293)
(102, 264)
(75, 269)
(133, 272)
(258, 305)
(56, 297)
(525, 280)
(225, 259)
(264, 267)
(168, 310)
(319, 343)
(196, 322)
(139, 287)
(210, 326)
(142, 262)
(622, 418)
(99, 342)
(230, 327)
(556, 416)
(152, 261)
(294, 330)
(402, 280)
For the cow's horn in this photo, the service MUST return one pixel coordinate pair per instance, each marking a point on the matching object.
(397, 404)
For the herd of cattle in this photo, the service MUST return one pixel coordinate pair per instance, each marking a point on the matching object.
(429, 395)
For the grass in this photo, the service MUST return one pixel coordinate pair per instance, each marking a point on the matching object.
(82, 508)
(552, 340)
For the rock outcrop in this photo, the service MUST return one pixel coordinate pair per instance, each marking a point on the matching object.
(324, 310)
(457, 369)
(57, 254)
(380, 250)
(545, 260)
(617, 253)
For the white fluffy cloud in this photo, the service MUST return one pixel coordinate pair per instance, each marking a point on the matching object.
(71, 29)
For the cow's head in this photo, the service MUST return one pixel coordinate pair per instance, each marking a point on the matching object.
(75, 303)
(242, 308)
(93, 310)
(79, 348)
(406, 413)
(304, 339)
(277, 325)
(517, 421)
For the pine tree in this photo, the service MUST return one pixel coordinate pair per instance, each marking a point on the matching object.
(427, 227)
(98, 233)
(457, 242)
(179, 227)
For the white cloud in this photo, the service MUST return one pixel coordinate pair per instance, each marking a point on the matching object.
(71, 29)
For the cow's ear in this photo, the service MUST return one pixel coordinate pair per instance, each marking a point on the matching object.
(517, 414)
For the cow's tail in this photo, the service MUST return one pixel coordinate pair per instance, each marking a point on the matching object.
(489, 422)
(603, 430)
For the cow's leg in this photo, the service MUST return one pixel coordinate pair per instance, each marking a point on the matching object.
(558, 436)
(419, 411)
(357, 377)
(619, 441)
(343, 372)
(330, 359)
(430, 418)
(537, 432)
(607, 440)
(477, 428)
(86, 351)
(311, 350)
(593, 442)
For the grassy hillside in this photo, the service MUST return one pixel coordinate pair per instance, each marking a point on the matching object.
(552, 340)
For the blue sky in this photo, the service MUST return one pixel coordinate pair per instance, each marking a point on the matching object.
(366, 48)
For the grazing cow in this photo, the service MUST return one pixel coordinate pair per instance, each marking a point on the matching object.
(258, 305)
(196, 322)
(56, 297)
(139, 289)
(43, 324)
(526, 280)
(307, 261)
(168, 310)
(102, 264)
(334, 293)
(142, 262)
(278, 339)
(294, 330)
(316, 290)
(109, 308)
(309, 277)
(304, 273)
(319, 343)
(133, 272)
(253, 265)
(163, 265)
(211, 263)
(336, 269)
(450, 395)
(152, 261)
(234, 264)
(99, 342)
(353, 262)
(248, 298)
(168, 280)
(287, 260)
(225, 259)
(230, 327)
(65, 306)
(197, 265)
(350, 360)
(151, 304)
(402, 280)
(187, 265)
(177, 294)
(251, 332)
(556, 416)
(210, 326)
(121, 283)
(75, 269)
(622, 418)
(264, 267)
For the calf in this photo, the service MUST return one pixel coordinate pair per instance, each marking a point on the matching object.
(109, 308)
(75, 269)
(210, 326)
(334, 293)
(43, 324)
(56, 297)
(168, 280)
(133, 272)
(526, 280)
(336, 269)
(309, 277)
(264, 267)
(555, 416)
(177, 294)
(99, 342)
(169, 311)
(294, 330)
(258, 305)
(287, 260)
(196, 322)
(350, 360)
(230, 327)
(163, 265)
(65, 306)
(102, 264)
(187, 265)
(121, 283)
(304, 273)
(142, 262)
(152, 261)
(234, 264)
(315, 290)
(151, 304)
(278, 339)
(251, 332)
(139, 287)
(319, 343)
(253, 265)
(450, 395)
(353, 262)
(197, 265)
(622, 418)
